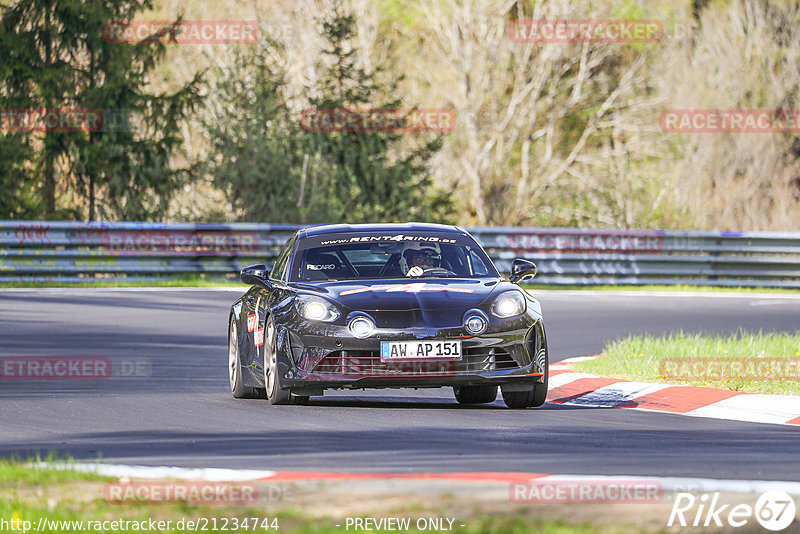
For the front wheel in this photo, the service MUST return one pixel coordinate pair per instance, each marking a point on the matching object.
(533, 397)
(537, 395)
(540, 389)
(272, 379)
(518, 400)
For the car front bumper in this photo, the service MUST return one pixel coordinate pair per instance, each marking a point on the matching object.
(323, 356)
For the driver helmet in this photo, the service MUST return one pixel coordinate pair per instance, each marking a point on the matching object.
(423, 255)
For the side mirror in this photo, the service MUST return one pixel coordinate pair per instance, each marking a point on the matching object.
(255, 275)
(522, 270)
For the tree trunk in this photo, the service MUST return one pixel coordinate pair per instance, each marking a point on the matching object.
(49, 166)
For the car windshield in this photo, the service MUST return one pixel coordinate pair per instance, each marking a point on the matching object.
(369, 257)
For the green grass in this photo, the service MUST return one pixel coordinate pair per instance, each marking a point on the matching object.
(184, 281)
(28, 494)
(12, 470)
(675, 288)
(640, 358)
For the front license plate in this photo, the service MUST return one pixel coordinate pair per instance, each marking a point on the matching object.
(421, 350)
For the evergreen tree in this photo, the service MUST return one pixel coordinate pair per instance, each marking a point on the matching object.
(33, 75)
(257, 151)
(57, 57)
(370, 179)
(273, 169)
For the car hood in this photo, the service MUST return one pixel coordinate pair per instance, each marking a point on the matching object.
(401, 304)
(405, 295)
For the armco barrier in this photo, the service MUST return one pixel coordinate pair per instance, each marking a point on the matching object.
(80, 252)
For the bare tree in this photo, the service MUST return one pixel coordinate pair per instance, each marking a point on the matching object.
(745, 55)
(522, 107)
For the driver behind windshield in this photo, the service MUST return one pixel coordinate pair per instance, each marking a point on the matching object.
(420, 257)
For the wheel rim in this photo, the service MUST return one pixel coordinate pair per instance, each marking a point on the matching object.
(233, 355)
(270, 359)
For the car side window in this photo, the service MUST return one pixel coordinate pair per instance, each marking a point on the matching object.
(478, 267)
(279, 269)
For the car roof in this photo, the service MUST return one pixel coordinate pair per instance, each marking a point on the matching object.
(379, 227)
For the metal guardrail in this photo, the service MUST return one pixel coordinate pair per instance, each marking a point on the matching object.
(80, 252)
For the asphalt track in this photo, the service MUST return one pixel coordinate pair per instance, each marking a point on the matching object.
(183, 414)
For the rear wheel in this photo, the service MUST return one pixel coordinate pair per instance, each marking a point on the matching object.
(238, 389)
(272, 379)
(475, 394)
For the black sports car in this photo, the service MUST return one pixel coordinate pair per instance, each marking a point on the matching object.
(387, 306)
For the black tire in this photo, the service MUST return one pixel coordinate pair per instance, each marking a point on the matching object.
(532, 398)
(475, 394)
(275, 393)
(540, 389)
(238, 389)
(518, 400)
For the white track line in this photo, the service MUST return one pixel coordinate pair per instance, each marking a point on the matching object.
(690, 484)
(230, 475)
(746, 407)
(676, 294)
(756, 408)
(576, 359)
(72, 290)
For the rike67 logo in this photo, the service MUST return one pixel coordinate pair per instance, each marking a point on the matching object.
(774, 511)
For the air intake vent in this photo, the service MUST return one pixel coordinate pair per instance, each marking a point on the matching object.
(369, 363)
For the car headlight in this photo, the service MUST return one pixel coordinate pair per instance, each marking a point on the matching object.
(361, 327)
(317, 309)
(509, 304)
(475, 324)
